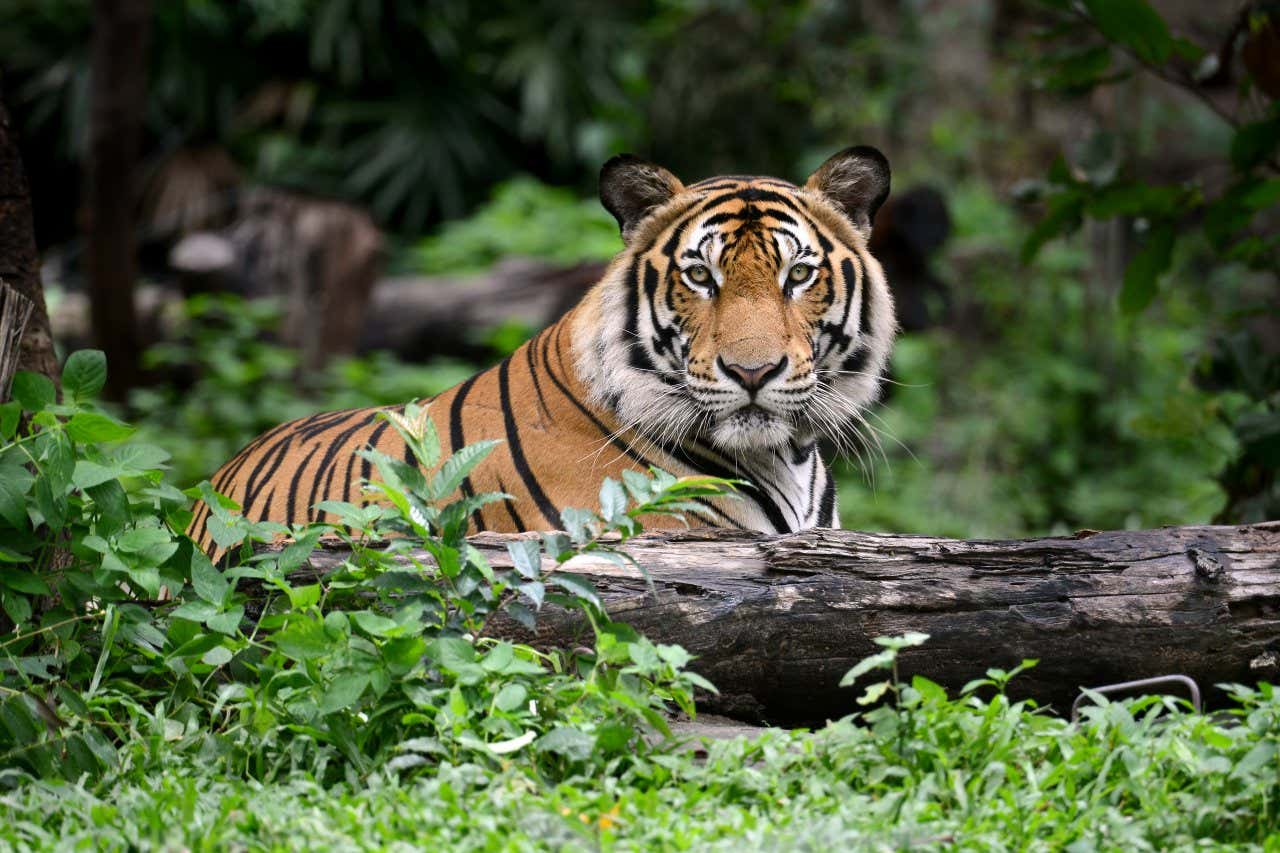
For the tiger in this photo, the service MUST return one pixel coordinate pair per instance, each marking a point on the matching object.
(743, 321)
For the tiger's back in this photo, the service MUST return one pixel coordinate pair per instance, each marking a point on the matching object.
(743, 321)
(554, 450)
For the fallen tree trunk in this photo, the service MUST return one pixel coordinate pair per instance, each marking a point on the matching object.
(775, 621)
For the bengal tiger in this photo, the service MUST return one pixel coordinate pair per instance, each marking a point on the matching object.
(743, 320)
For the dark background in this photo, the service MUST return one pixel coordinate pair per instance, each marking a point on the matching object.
(1081, 238)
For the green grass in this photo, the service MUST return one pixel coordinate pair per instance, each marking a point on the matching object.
(934, 774)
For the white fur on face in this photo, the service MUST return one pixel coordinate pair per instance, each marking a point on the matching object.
(662, 400)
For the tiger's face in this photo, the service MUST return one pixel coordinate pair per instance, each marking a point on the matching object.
(744, 311)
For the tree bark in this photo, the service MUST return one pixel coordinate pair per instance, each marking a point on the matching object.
(19, 260)
(776, 621)
(121, 34)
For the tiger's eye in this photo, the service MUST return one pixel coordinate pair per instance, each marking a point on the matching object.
(800, 273)
(698, 274)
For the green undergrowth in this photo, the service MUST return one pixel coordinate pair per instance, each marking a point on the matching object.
(150, 699)
(1040, 408)
(925, 772)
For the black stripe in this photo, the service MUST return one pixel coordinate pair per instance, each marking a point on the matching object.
(544, 503)
(813, 485)
(457, 441)
(511, 509)
(293, 484)
(767, 484)
(537, 386)
(827, 514)
(366, 467)
(715, 469)
(272, 457)
(318, 424)
(864, 310)
(329, 463)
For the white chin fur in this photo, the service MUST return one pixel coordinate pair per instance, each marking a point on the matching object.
(751, 430)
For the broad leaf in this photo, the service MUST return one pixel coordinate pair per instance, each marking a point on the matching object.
(84, 374)
(1145, 269)
(1134, 24)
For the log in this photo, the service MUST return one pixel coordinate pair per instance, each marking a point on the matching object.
(775, 621)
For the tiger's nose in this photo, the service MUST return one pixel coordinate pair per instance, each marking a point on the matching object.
(752, 378)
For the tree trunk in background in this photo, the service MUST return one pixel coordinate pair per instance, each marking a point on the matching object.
(121, 33)
(19, 261)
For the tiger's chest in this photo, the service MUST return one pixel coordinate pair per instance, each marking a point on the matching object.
(783, 491)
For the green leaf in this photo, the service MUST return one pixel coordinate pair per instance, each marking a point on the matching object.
(344, 692)
(577, 523)
(1254, 144)
(613, 500)
(879, 660)
(302, 597)
(196, 611)
(456, 468)
(375, 623)
(578, 586)
(452, 653)
(536, 592)
(567, 741)
(17, 606)
(873, 692)
(1134, 24)
(10, 414)
(217, 656)
(34, 391)
(137, 457)
(1079, 70)
(930, 690)
(1063, 217)
(93, 428)
(228, 622)
(403, 653)
(207, 581)
(302, 640)
(15, 482)
(498, 658)
(112, 504)
(23, 581)
(526, 555)
(510, 697)
(1145, 269)
(84, 374)
(1136, 199)
(88, 474)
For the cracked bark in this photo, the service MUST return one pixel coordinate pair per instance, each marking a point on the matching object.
(776, 621)
(19, 261)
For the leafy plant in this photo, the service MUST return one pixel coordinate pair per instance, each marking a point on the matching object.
(523, 218)
(227, 381)
(386, 660)
(1193, 223)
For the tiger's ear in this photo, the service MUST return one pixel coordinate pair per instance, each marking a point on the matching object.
(857, 181)
(631, 187)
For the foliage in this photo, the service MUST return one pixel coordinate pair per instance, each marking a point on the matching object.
(372, 701)
(524, 218)
(921, 770)
(1041, 411)
(385, 661)
(229, 382)
(1184, 228)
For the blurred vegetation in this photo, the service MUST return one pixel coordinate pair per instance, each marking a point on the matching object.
(525, 218)
(1105, 355)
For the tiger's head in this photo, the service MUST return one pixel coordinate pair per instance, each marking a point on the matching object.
(745, 311)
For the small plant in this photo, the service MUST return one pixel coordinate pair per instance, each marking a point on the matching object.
(389, 660)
